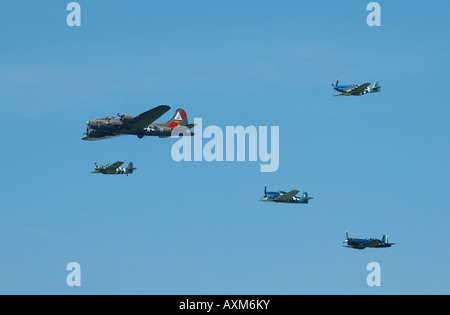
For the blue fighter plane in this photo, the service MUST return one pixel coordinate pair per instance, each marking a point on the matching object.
(282, 196)
(360, 243)
(346, 90)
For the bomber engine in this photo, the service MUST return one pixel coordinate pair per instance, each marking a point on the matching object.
(93, 133)
(125, 118)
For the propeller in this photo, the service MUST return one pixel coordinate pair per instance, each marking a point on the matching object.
(346, 236)
(265, 191)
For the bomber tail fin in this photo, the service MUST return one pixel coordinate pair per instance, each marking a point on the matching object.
(178, 119)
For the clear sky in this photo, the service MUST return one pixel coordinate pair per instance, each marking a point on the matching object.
(376, 164)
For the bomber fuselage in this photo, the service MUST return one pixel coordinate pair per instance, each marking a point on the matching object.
(110, 126)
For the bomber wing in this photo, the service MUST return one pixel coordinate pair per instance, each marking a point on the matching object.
(359, 88)
(287, 196)
(143, 120)
(99, 138)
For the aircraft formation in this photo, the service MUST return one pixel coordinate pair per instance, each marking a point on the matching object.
(144, 125)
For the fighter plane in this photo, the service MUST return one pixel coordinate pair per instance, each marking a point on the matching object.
(283, 197)
(346, 90)
(140, 125)
(114, 168)
(359, 243)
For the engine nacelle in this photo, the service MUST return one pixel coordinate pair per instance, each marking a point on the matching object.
(96, 133)
(126, 118)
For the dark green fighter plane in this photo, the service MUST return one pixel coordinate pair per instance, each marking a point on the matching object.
(114, 168)
(359, 243)
(140, 125)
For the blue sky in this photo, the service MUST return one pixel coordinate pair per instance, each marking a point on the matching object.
(376, 164)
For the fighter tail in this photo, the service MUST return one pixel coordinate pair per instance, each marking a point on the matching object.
(306, 198)
(385, 240)
(376, 87)
(130, 168)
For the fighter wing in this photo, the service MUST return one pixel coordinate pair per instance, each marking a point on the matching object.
(143, 120)
(373, 243)
(287, 196)
(115, 165)
(359, 88)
